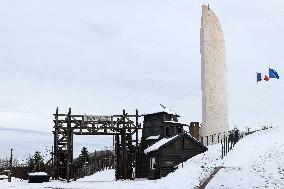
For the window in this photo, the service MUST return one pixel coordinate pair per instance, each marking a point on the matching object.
(152, 163)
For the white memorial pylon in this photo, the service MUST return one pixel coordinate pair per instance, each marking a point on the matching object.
(213, 75)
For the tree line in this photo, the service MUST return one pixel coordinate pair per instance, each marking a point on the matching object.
(86, 164)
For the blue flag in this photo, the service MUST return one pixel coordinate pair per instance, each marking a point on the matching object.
(258, 77)
(273, 74)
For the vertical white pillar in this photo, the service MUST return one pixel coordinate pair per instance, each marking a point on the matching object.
(213, 75)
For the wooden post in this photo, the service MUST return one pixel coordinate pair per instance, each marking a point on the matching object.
(117, 153)
(222, 149)
(225, 145)
(123, 146)
(137, 158)
(69, 147)
(55, 154)
(9, 176)
(182, 153)
(52, 162)
(207, 140)
(124, 129)
(228, 144)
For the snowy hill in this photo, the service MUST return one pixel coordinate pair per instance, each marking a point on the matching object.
(257, 161)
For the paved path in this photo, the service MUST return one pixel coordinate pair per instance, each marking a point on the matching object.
(206, 181)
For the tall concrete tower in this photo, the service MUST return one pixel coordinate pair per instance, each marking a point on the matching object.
(213, 75)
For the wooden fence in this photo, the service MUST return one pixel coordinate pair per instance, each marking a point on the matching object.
(228, 142)
(215, 138)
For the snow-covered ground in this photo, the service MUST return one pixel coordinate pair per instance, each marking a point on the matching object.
(103, 176)
(257, 161)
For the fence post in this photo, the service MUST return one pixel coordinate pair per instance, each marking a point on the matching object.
(207, 140)
(213, 139)
(224, 139)
(9, 176)
(218, 137)
(222, 149)
(228, 147)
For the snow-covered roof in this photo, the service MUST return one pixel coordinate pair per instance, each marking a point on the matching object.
(175, 122)
(158, 144)
(153, 137)
(160, 109)
(38, 174)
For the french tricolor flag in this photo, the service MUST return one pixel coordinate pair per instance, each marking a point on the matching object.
(259, 77)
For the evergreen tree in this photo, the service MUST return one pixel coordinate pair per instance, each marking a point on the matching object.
(36, 162)
(84, 156)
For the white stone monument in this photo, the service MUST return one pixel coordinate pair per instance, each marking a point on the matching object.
(213, 75)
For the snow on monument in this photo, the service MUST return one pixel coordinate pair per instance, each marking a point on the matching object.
(213, 75)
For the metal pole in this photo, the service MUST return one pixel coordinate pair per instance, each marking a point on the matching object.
(11, 160)
(11, 165)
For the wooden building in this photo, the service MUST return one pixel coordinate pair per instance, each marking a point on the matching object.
(164, 144)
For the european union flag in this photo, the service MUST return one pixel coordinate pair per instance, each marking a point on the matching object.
(258, 77)
(273, 74)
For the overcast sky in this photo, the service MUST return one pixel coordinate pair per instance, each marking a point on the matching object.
(99, 57)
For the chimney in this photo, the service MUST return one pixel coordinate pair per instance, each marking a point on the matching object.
(194, 130)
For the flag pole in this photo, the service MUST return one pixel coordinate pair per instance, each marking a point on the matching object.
(270, 94)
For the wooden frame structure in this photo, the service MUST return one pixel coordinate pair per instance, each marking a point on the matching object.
(123, 127)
